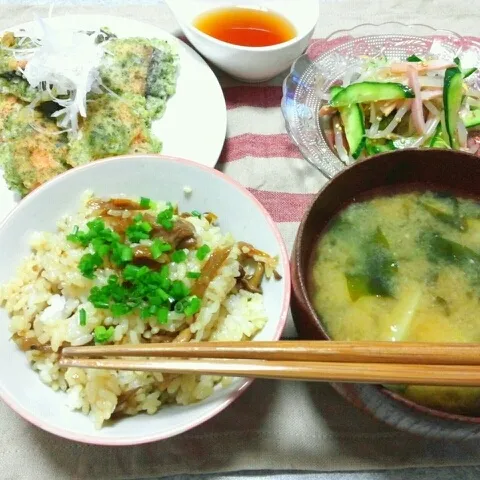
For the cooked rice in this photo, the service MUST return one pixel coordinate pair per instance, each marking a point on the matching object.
(44, 299)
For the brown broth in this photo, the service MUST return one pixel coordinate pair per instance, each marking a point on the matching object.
(246, 26)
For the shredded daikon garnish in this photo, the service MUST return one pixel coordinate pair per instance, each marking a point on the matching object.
(65, 68)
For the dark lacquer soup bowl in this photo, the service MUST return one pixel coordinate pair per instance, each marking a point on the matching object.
(405, 170)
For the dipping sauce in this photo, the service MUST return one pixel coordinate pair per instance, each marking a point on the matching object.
(246, 26)
(404, 267)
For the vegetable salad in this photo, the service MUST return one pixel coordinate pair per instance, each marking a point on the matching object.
(387, 105)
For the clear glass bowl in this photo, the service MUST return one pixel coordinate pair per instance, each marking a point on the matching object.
(326, 62)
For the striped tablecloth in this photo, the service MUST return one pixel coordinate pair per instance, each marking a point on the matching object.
(275, 425)
(259, 154)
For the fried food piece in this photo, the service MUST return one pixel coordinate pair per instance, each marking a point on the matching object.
(11, 80)
(140, 66)
(8, 61)
(9, 105)
(114, 126)
(13, 84)
(32, 150)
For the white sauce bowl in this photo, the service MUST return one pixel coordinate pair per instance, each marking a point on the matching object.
(249, 64)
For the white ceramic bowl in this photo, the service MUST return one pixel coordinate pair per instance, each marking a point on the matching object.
(155, 177)
(249, 64)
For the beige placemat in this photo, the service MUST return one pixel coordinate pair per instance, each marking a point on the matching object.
(274, 425)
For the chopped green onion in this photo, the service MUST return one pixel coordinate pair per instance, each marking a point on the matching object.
(145, 202)
(119, 309)
(164, 218)
(167, 224)
(130, 273)
(77, 236)
(180, 306)
(126, 254)
(165, 282)
(83, 317)
(162, 315)
(102, 334)
(135, 235)
(179, 290)
(158, 247)
(147, 292)
(140, 230)
(193, 274)
(196, 213)
(122, 253)
(193, 306)
(143, 271)
(163, 294)
(100, 247)
(156, 300)
(203, 251)
(164, 272)
(155, 249)
(97, 225)
(97, 234)
(179, 256)
(100, 304)
(145, 226)
(89, 263)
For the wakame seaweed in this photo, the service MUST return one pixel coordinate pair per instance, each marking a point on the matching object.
(375, 270)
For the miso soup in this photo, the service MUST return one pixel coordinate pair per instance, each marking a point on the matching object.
(404, 267)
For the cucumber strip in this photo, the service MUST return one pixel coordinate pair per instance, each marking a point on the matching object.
(414, 58)
(452, 100)
(472, 119)
(374, 147)
(437, 140)
(366, 92)
(353, 125)
(468, 71)
(334, 90)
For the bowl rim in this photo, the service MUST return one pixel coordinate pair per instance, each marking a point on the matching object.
(299, 285)
(344, 31)
(284, 258)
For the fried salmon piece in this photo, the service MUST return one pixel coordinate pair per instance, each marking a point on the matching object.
(126, 70)
(140, 66)
(34, 151)
(9, 105)
(114, 126)
(11, 79)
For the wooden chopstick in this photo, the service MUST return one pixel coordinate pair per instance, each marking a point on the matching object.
(378, 373)
(318, 351)
(324, 361)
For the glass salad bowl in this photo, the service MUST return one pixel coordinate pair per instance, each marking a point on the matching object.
(338, 58)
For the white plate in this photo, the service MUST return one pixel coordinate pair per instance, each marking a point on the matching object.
(195, 121)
